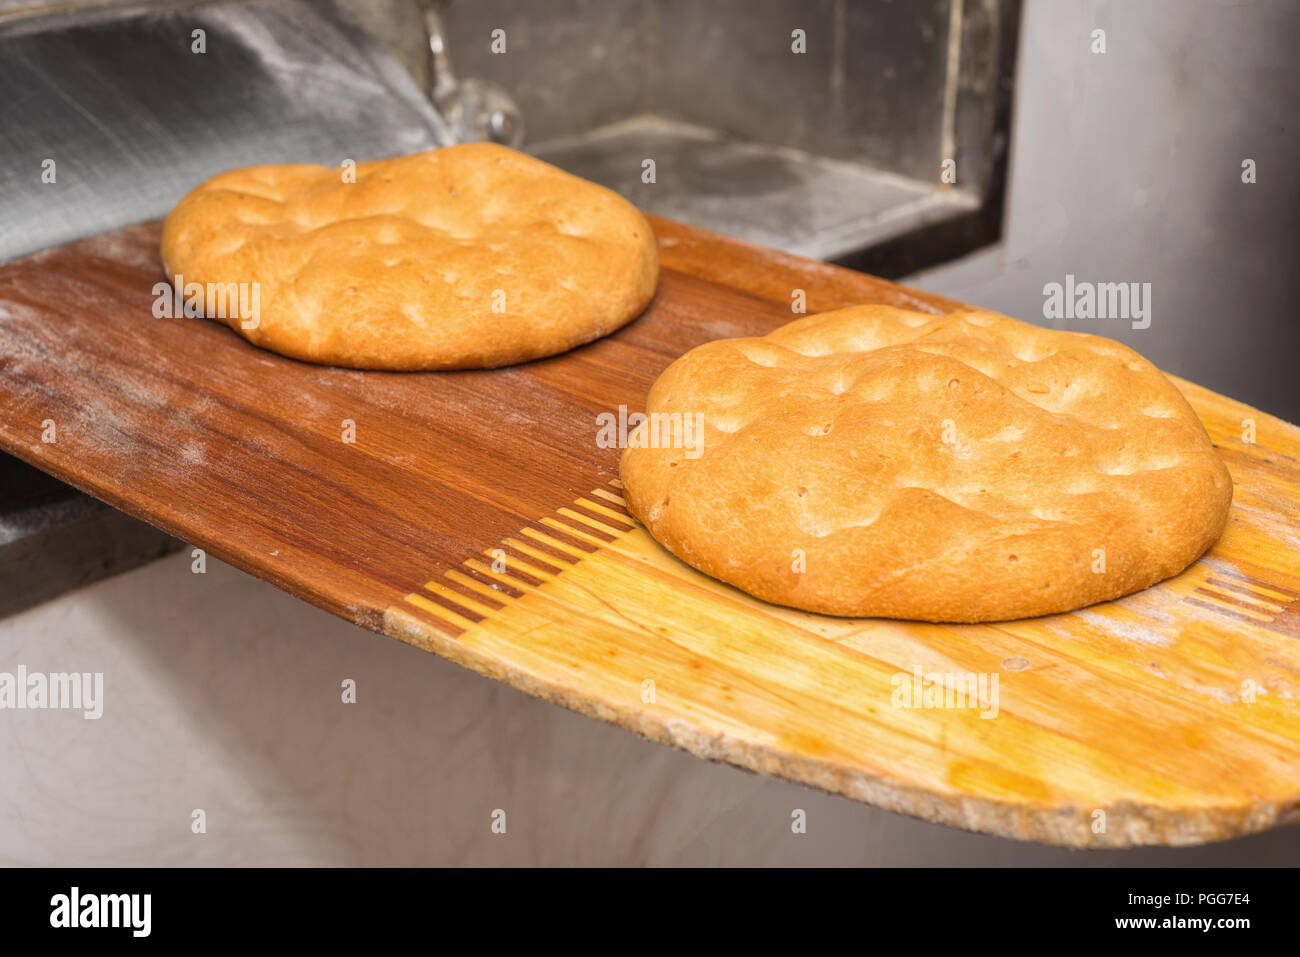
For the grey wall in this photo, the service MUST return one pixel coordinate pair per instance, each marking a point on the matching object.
(1127, 167)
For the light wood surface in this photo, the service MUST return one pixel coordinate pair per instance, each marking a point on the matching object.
(476, 517)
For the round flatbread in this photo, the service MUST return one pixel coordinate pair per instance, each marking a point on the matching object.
(463, 257)
(966, 467)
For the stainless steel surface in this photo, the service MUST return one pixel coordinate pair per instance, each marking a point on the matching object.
(132, 118)
(573, 66)
(772, 195)
(473, 110)
(869, 89)
(824, 152)
(828, 152)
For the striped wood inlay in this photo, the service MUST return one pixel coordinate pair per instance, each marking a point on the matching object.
(583, 608)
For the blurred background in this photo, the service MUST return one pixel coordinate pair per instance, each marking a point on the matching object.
(981, 149)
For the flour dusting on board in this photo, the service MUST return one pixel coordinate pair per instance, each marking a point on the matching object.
(191, 455)
(1222, 566)
(1272, 522)
(1137, 631)
(130, 247)
(32, 349)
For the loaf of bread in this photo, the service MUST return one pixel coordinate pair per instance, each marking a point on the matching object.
(966, 467)
(467, 256)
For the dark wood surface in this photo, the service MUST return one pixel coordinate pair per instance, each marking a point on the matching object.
(239, 451)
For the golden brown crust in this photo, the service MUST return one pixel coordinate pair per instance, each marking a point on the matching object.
(968, 467)
(468, 256)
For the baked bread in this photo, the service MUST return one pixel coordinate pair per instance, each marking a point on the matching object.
(468, 256)
(966, 467)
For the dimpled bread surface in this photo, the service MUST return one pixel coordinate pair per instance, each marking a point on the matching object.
(463, 257)
(967, 467)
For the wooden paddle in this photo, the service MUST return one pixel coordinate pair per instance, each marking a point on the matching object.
(475, 515)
